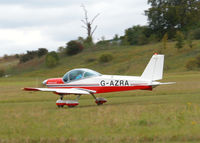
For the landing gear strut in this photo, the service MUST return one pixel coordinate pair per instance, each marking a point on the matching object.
(100, 100)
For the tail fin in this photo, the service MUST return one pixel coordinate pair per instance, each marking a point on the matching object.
(154, 69)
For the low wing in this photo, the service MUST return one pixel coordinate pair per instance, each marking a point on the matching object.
(62, 91)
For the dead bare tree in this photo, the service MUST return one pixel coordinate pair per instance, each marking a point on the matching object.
(88, 24)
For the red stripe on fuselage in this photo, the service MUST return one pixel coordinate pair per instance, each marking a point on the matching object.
(105, 89)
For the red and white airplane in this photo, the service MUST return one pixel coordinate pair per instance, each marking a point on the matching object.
(85, 81)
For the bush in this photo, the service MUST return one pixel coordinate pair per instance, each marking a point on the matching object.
(2, 73)
(191, 64)
(90, 60)
(198, 60)
(52, 59)
(196, 34)
(17, 56)
(32, 54)
(73, 48)
(142, 39)
(61, 50)
(190, 42)
(164, 41)
(105, 58)
(41, 52)
(24, 58)
(179, 39)
(5, 56)
(28, 56)
(153, 38)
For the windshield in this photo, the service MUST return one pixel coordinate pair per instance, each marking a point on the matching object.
(77, 74)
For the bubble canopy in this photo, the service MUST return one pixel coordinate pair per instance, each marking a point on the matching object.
(77, 74)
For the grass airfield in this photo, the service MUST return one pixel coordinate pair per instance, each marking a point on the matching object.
(169, 113)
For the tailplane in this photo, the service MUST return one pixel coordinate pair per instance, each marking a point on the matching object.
(154, 69)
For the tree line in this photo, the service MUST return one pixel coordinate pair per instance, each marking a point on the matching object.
(166, 18)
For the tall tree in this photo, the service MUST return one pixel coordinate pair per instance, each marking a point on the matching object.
(172, 15)
(88, 24)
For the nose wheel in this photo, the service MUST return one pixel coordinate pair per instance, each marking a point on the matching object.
(100, 101)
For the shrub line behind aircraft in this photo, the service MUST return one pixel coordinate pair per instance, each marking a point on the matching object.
(85, 81)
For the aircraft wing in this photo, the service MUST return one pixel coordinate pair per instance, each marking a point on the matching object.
(62, 90)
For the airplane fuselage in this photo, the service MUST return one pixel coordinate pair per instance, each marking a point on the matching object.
(103, 83)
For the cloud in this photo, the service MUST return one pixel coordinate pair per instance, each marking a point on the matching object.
(19, 16)
(31, 24)
(21, 40)
(41, 3)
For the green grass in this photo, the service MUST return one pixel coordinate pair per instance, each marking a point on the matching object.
(170, 113)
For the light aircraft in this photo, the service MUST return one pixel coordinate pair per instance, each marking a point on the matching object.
(85, 81)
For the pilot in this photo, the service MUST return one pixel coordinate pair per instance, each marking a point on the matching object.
(79, 76)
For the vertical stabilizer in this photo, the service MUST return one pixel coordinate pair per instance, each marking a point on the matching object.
(154, 69)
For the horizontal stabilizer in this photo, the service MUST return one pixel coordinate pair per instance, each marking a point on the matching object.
(155, 83)
(166, 83)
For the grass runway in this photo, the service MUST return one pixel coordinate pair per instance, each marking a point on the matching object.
(170, 113)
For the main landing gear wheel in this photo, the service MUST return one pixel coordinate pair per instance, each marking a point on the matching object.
(99, 101)
(70, 103)
(60, 103)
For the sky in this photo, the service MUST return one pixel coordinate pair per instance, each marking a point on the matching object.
(32, 24)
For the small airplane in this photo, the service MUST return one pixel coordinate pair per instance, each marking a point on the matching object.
(84, 81)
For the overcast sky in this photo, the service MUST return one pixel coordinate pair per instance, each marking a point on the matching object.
(32, 24)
